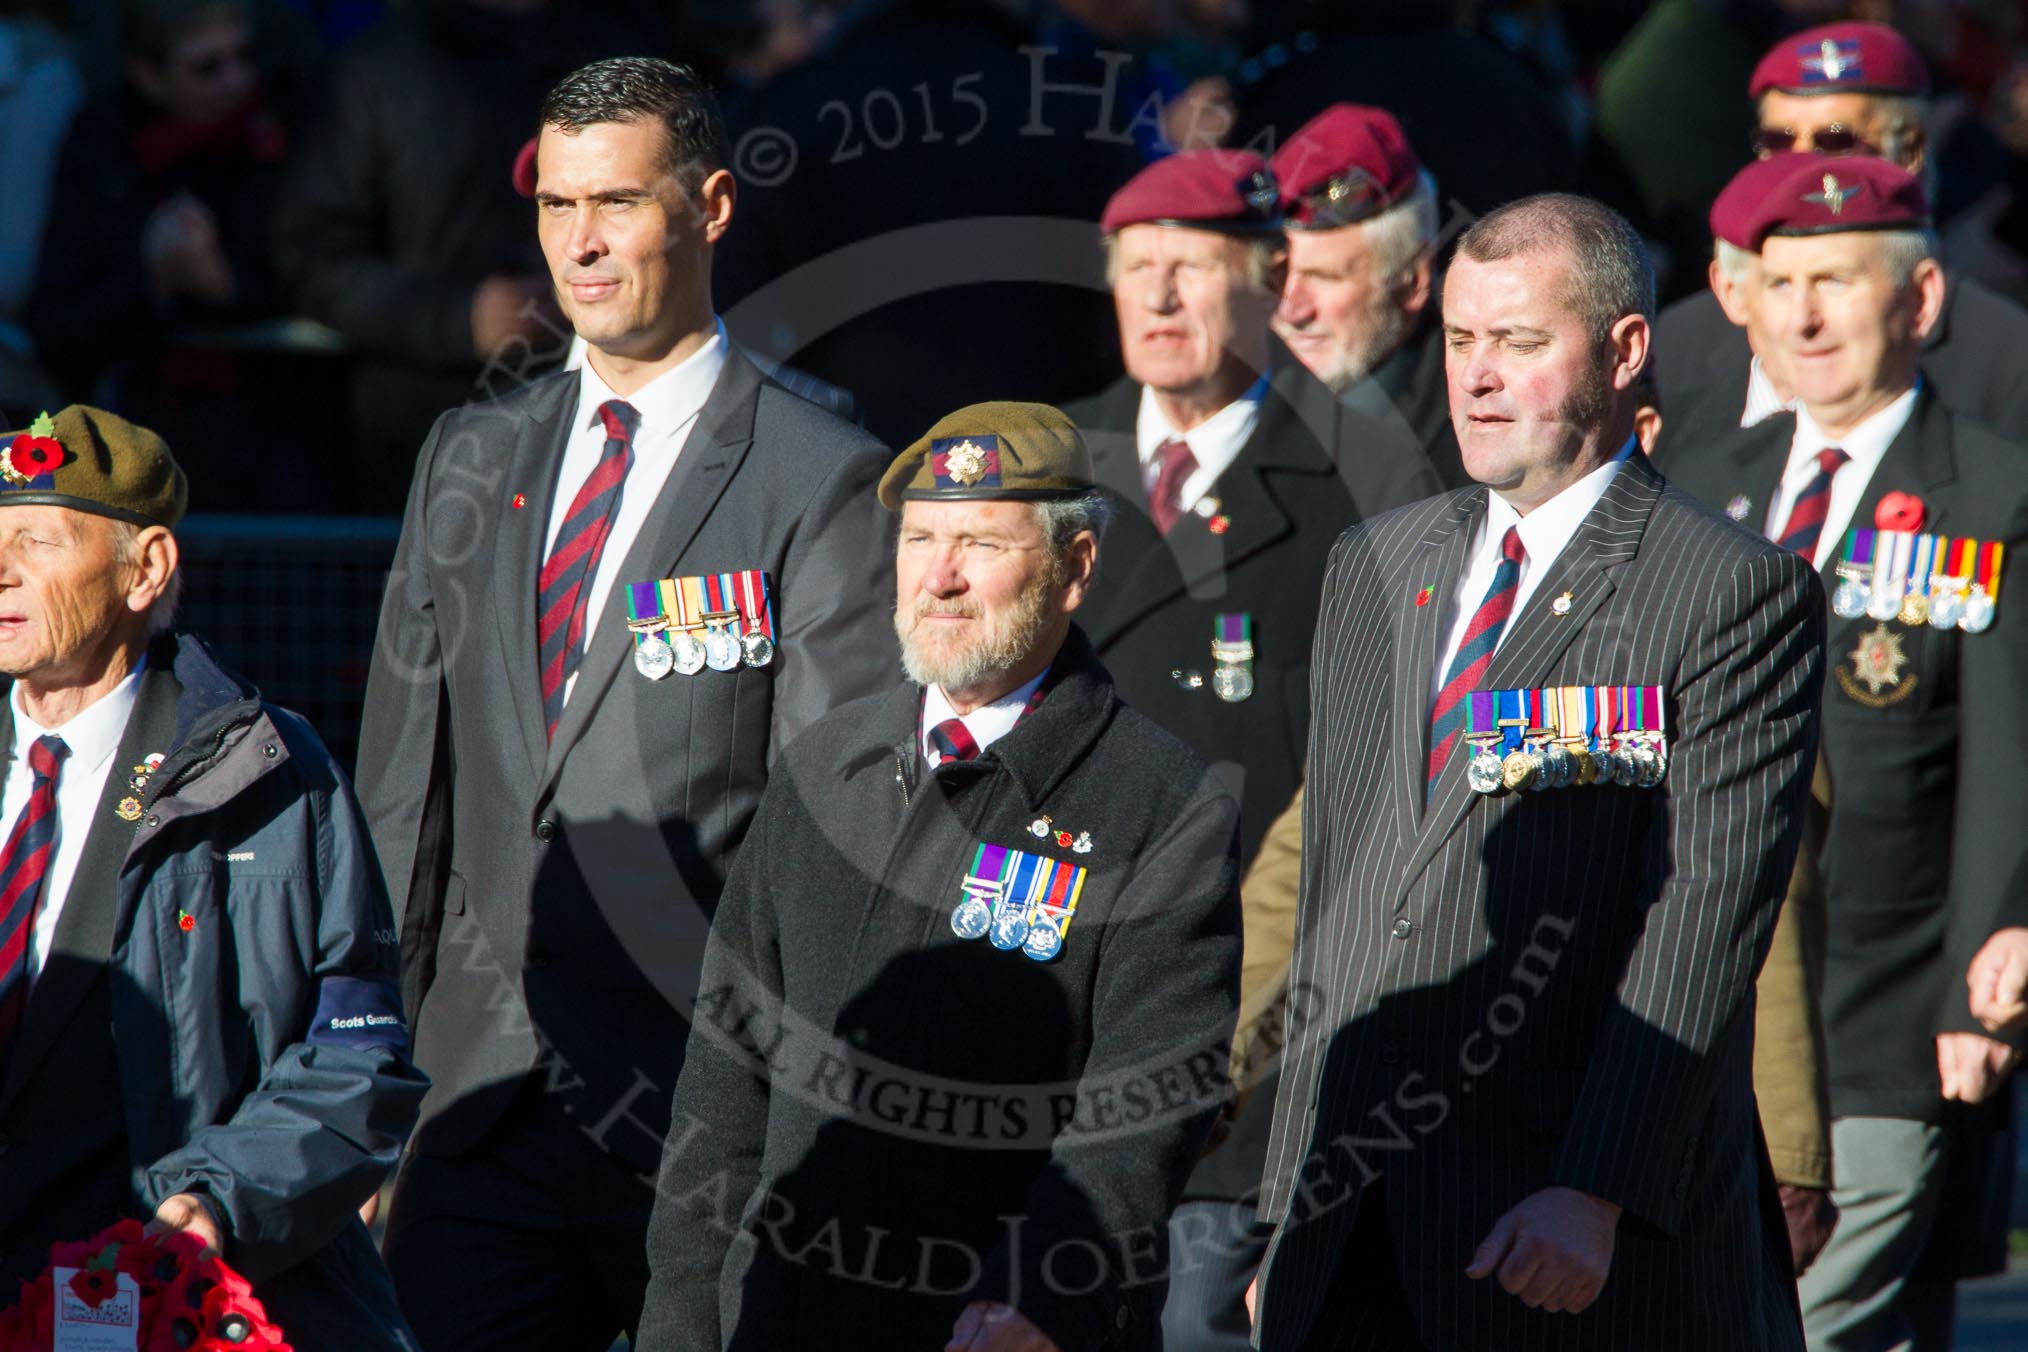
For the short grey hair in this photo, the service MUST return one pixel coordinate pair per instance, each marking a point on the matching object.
(1399, 237)
(1062, 519)
(1611, 274)
(1903, 250)
(161, 615)
(1263, 259)
(1734, 263)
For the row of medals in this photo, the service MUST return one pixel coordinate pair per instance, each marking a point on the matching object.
(1637, 761)
(975, 919)
(720, 648)
(1947, 604)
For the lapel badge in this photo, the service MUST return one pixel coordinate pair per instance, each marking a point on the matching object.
(1422, 597)
(1740, 505)
(1219, 525)
(1039, 828)
(129, 810)
(185, 921)
(520, 501)
(1082, 845)
(1561, 605)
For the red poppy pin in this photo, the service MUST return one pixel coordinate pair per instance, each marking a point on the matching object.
(94, 1286)
(34, 453)
(520, 501)
(1422, 597)
(1220, 524)
(1899, 511)
(186, 921)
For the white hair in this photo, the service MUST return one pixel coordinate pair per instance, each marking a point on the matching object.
(1401, 236)
(1263, 259)
(1734, 263)
(162, 614)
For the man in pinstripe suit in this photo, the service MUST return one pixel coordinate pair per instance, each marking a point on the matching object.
(1517, 1109)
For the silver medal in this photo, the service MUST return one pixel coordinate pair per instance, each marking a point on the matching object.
(1849, 600)
(689, 651)
(756, 649)
(654, 658)
(721, 649)
(1044, 942)
(1946, 608)
(1979, 612)
(1232, 683)
(1559, 770)
(1009, 930)
(1483, 774)
(972, 918)
(1885, 603)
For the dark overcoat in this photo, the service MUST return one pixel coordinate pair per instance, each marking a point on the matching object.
(878, 1121)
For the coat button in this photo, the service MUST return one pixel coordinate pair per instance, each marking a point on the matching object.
(545, 830)
(154, 820)
(1403, 928)
(1122, 1317)
(1390, 1055)
(269, 751)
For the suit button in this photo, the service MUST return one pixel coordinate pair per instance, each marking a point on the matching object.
(1390, 1055)
(545, 830)
(1122, 1317)
(1403, 928)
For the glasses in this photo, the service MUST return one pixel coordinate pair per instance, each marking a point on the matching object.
(1836, 139)
(1346, 199)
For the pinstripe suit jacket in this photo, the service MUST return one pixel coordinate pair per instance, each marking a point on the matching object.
(1492, 996)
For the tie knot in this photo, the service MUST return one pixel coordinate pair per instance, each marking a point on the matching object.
(1174, 457)
(620, 418)
(1831, 459)
(1510, 545)
(954, 740)
(45, 754)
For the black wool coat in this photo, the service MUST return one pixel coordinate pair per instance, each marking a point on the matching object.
(878, 1121)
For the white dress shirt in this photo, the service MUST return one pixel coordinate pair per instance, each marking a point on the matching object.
(92, 737)
(1544, 533)
(1215, 443)
(668, 406)
(1866, 444)
(988, 723)
(1762, 402)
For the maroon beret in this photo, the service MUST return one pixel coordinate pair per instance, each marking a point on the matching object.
(1230, 190)
(1818, 196)
(524, 169)
(1842, 58)
(1346, 164)
(1738, 203)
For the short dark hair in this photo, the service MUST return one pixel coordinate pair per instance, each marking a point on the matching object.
(632, 88)
(1612, 276)
(149, 28)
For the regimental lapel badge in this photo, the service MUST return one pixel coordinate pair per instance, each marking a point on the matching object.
(129, 808)
(1561, 605)
(1740, 505)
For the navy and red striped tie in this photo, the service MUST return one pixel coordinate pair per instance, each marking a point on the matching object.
(564, 584)
(1805, 525)
(23, 865)
(953, 741)
(1475, 654)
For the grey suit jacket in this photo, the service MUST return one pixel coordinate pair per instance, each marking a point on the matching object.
(553, 896)
(1494, 995)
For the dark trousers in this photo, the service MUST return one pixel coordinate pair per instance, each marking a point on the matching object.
(1215, 1249)
(1366, 1308)
(534, 1239)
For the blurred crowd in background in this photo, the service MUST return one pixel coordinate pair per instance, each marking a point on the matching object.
(287, 233)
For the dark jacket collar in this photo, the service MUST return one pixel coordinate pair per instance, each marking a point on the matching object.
(1044, 747)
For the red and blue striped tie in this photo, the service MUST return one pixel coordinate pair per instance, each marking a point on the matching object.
(1806, 515)
(564, 584)
(23, 864)
(953, 741)
(1475, 654)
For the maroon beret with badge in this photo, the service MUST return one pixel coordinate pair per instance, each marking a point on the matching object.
(1817, 196)
(1738, 204)
(1842, 58)
(1230, 190)
(524, 168)
(1345, 165)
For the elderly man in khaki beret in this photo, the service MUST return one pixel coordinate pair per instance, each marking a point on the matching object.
(200, 1023)
(962, 1023)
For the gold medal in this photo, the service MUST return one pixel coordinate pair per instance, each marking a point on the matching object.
(1518, 770)
(1914, 608)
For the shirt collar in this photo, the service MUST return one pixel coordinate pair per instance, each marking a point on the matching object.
(1547, 529)
(670, 399)
(92, 735)
(1762, 402)
(988, 723)
(1215, 441)
(1866, 444)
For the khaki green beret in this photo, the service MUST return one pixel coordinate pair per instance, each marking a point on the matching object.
(93, 461)
(995, 450)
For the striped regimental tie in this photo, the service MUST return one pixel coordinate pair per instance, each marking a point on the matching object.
(1475, 654)
(23, 865)
(564, 585)
(953, 741)
(1806, 514)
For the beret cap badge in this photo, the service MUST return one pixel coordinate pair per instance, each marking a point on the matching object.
(32, 454)
(966, 462)
(1832, 197)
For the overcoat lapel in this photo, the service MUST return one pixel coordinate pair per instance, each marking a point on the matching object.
(711, 457)
(82, 945)
(1537, 638)
(536, 462)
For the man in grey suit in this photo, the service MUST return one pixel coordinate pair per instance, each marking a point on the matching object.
(1517, 1107)
(619, 591)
